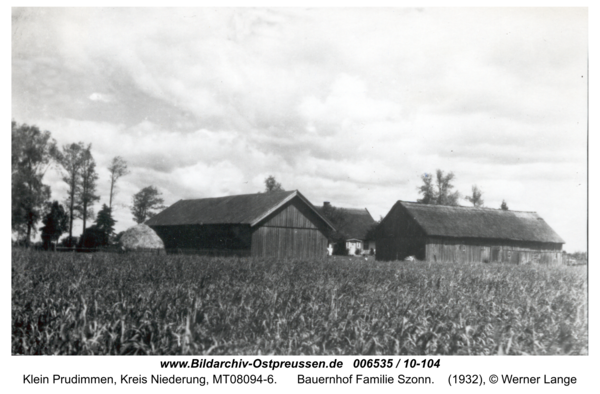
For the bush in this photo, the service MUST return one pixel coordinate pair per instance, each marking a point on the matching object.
(93, 238)
(69, 242)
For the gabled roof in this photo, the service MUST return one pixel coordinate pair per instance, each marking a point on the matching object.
(241, 209)
(446, 221)
(354, 223)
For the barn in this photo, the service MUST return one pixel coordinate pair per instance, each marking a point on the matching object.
(277, 224)
(464, 234)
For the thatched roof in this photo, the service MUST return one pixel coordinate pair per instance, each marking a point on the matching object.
(241, 209)
(140, 237)
(466, 222)
(354, 223)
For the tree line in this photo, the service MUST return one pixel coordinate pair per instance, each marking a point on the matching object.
(33, 153)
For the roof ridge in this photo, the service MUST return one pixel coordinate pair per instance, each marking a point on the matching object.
(462, 206)
(348, 209)
(235, 195)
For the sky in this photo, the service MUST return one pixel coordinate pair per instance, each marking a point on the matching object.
(347, 105)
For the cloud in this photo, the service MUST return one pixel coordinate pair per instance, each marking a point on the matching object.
(100, 97)
(346, 105)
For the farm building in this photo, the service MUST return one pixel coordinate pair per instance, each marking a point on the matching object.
(462, 234)
(278, 224)
(354, 224)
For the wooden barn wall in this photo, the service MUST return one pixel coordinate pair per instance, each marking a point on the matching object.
(481, 250)
(282, 242)
(291, 215)
(398, 236)
(221, 239)
(293, 231)
(390, 249)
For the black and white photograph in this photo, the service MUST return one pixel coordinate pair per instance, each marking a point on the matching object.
(383, 181)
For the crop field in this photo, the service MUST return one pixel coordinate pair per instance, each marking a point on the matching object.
(68, 303)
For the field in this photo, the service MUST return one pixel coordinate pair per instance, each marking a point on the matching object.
(68, 303)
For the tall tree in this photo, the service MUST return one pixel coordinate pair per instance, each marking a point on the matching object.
(426, 189)
(71, 161)
(105, 223)
(476, 196)
(117, 169)
(271, 185)
(32, 153)
(87, 192)
(145, 204)
(504, 206)
(56, 222)
(439, 193)
(444, 195)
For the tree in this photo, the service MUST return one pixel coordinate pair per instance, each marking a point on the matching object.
(87, 192)
(117, 169)
(271, 185)
(442, 194)
(145, 204)
(476, 196)
(444, 186)
(71, 161)
(427, 190)
(504, 206)
(56, 222)
(105, 223)
(32, 154)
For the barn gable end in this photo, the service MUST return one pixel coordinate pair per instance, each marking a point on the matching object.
(399, 236)
(292, 231)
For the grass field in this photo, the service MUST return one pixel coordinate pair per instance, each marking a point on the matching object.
(67, 303)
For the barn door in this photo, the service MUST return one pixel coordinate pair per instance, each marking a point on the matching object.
(485, 254)
(495, 254)
(420, 255)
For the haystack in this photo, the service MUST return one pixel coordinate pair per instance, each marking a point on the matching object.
(141, 238)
